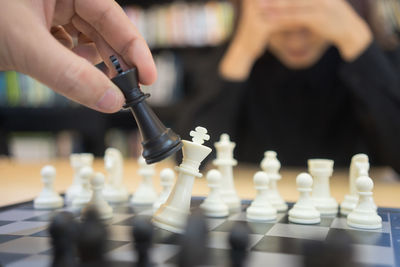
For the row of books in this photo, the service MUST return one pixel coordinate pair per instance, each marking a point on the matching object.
(180, 24)
(389, 10)
(19, 90)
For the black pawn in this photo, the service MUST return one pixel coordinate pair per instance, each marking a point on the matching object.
(63, 231)
(92, 240)
(142, 234)
(158, 141)
(193, 243)
(239, 241)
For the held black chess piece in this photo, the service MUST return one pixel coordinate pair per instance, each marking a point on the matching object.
(158, 141)
(63, 231)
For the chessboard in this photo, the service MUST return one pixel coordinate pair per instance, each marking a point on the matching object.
(25, 240)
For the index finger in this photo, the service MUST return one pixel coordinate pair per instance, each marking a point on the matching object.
(111, 22)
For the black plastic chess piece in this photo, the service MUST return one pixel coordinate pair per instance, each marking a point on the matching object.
(63, 231)
(158, 141)
(193, 243)
(92, 240)
(142, 235)
(239, 241)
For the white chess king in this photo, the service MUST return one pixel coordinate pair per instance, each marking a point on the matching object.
(172, 215)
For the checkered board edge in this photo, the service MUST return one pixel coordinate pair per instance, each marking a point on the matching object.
(24, 239)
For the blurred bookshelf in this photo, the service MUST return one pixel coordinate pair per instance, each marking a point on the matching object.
(37, 123)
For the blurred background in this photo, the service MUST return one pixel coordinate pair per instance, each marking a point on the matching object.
(37, 124)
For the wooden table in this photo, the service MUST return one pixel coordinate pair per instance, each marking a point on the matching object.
(21, 181)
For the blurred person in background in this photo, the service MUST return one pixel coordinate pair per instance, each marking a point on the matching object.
(306, 78)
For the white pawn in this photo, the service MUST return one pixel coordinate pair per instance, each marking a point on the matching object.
(364, 216)
(214, 206)
(48, 198)
(85, 194)
(167, 177)
(145, 194)
(97, 201)
(271, 165)
(261, 209)
(304, 211)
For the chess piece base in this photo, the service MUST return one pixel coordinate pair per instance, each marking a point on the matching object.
(348, 205)
(326, 206)
(214, 210)
(52, 202)
(364, 220)
(260, 214)
(113, 195)
(170, 219)
(302, 215)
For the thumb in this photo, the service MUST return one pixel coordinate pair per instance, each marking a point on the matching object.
(68, 74)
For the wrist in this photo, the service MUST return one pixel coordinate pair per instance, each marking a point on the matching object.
(237, 61)
(355, 41)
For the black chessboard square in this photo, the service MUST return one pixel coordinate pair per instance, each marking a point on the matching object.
(43, 233)
(5, 238)
(255, 227)
(6, 258)
(124, 209)
(215, 257)
(278, 244)
(165, 237)
(126, 222)
(42, 218)
(325, 221)
(5, 222)
(362, 237)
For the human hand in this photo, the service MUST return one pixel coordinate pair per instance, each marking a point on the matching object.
(37, 38)
(335, 20)
(249, 41)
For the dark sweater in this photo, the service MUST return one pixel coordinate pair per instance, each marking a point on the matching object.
(331, 110)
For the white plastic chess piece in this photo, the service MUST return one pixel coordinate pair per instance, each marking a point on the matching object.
(97, 201)
(359, 164)
(114, 191)
(321, 170)
(48, 198)
(214, 206)
(364, 216)
(271, 165)
(225, 163)
(261, 209)
(77, 160)
(172, 215)
(145, 194)
(85, 193)
(304, 211)
(167, 177)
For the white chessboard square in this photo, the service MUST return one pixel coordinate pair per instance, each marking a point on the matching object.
(159, 253)
(213, 223)
(120, 233)
(35, 260)
(311, 232)
(373, 255)
(20, 215)
(22, 228)
(270, 259)
(221, 240)
(341, 223)
(26, 245)
(119, 218)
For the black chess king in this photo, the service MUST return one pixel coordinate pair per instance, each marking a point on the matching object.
(158, 141)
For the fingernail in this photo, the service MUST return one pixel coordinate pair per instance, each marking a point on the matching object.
(111, 101)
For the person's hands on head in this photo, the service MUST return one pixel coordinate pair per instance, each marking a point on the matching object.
(249, 41)
(311, 26)
(58, 41)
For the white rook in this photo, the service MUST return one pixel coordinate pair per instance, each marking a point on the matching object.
(321, 170)
(225, 163)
